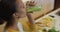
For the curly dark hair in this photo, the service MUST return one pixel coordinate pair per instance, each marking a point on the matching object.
(7, 8)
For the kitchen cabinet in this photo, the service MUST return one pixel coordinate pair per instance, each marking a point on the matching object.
(57, 4)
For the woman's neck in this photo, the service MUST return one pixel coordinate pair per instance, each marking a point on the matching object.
(12, 25)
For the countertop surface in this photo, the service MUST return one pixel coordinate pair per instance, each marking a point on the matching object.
(57, 18)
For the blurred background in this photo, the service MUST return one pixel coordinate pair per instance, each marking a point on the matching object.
(38, 9)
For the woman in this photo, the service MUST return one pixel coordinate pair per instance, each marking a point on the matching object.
(10, 12)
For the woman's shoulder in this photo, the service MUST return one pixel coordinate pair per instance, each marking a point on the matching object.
(10, 30)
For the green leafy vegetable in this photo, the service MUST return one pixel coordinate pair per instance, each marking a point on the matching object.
(33, 9)
(52, 30)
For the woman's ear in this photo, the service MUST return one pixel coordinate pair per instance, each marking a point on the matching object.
(15, 15)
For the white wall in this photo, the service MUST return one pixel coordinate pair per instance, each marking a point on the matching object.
(46, 2)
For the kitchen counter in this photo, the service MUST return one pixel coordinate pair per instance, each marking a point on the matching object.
(56, 17)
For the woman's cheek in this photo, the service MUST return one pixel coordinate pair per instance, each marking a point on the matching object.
(22, 13)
